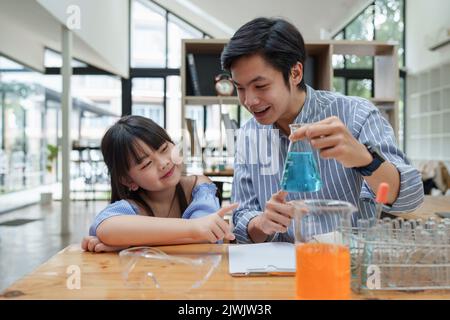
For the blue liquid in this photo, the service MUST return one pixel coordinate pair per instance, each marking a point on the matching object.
(301, 173)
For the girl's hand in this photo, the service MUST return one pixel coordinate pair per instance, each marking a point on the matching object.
(213, 227)
(93, 244)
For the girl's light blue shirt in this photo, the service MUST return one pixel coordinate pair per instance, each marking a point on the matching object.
(204, 202)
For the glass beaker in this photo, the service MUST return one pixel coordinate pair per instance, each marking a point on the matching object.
(322, 249)
(301, 172)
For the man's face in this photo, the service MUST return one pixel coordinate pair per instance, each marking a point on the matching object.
(261, 89)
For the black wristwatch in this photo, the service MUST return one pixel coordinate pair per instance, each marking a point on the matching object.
(378, 159)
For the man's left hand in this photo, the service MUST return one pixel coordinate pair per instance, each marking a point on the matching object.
(335, 141)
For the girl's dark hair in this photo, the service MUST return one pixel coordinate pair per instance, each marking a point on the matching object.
(120, 147)
(276, 40)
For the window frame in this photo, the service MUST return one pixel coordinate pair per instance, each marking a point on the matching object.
(368, 73)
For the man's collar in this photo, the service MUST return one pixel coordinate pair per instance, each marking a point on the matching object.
(303, 114)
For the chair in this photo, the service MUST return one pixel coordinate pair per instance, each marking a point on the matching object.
(434, 175)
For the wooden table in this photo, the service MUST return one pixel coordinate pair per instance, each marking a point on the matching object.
(101, 276)
(101, 279)
(430, 205)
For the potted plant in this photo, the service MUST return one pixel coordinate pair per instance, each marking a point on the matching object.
(52, 154)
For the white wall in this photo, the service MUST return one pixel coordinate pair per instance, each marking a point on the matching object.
(425, 20)
(428, 82)
(103, 27)
(28, 26)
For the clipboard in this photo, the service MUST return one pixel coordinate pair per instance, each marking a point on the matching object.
(262, 259)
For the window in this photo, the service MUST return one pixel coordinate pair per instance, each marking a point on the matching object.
(339, 84)
(156, 36)
(361, 28)
(97, 94)
(179, 30)
(173, 105)
(148, 35)
(53, 59)
(24, 129)
(148, 98)
(390, 25)
(102, 91)
(360, 88)
(339, 36)
(151, 111)
(8, 65)
(382, 20)
(30, 102)
(358, 62)
(338, 61)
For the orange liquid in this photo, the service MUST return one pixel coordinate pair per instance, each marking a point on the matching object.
(323, 272)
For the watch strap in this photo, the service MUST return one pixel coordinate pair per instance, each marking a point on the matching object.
(378, 159)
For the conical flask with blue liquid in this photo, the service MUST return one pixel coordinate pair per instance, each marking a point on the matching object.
(301, 172)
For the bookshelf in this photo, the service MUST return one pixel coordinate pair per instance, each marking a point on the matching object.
(318, 71)
(428, 114)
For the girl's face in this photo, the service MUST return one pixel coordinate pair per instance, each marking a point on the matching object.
(156, 170)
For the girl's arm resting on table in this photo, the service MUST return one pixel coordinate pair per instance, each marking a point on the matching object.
(142, 230)
(124, 230)
(93, 244)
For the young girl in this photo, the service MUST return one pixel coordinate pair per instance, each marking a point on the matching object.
(151, 203)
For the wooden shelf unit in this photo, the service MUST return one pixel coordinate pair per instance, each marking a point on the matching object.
(321, 52)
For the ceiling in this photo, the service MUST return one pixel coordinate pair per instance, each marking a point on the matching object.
(316, 19)
(27, 27)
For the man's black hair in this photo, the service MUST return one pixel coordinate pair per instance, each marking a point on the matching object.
(276, 40)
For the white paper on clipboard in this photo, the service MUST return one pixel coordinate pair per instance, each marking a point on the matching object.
(269, 258)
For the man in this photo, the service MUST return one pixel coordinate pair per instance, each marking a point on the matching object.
(266, 60)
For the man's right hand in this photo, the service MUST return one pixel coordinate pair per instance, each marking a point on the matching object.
(277, 215)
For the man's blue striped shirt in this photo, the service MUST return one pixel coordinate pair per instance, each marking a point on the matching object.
(261, 151)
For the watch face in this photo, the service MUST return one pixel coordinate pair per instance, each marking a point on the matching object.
(224, 87)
